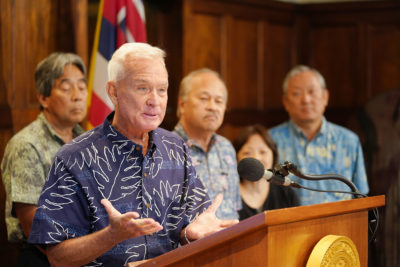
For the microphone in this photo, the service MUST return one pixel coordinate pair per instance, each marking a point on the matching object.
(253, 170)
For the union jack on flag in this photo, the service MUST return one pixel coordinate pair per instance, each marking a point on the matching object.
(118, 22)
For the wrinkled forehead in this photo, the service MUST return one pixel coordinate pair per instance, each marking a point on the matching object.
(146, 68)
(209, 83)
(304, 80)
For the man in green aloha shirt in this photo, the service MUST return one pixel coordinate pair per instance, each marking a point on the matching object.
(61, 86)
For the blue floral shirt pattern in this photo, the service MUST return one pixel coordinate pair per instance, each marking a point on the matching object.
(103, 163)
(334, 149)
(217, 169)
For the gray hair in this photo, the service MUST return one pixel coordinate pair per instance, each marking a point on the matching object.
(52, 67)
(116, 66)
(186, 85)
(299, 69)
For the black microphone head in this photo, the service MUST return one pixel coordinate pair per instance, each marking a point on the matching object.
(251, 169)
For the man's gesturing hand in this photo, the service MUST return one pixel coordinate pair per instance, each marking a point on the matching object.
(207, 223)
(124, 226)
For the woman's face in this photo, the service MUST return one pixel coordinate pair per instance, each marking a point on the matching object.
(255, 147)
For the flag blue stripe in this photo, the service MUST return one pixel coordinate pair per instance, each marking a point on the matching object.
(107, 39)
(122, 25)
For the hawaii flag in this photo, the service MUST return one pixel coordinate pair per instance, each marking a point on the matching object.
(118, 22)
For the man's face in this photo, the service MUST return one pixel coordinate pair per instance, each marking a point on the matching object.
(305, 99)
(66, 105)
(205, 105)
(140, 97)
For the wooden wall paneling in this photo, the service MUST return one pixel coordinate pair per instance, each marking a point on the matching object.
(49, 24)
(300, 41)
(164, 29)
(244, 79)
(79, 17)
(334, 54)
(202, 43)
(243, 64)
(22, 54)
(278, 59)
(384, 52)
(363, 90)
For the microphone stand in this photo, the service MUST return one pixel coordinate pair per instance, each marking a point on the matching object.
(287, 167)
(284, 169)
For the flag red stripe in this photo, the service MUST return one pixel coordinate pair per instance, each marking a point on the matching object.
(98, 110)
(121, 38)
(110, 11)
(135, 23)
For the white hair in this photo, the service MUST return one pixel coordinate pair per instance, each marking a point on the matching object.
(116, 67)
(299, 69)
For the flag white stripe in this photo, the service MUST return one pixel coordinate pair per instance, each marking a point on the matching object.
(140, 8)
(129, 36)
(121, 15)
(100, 79)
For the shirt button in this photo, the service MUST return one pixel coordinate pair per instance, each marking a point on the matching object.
(147, 204)
(145, 174)
(137, 148)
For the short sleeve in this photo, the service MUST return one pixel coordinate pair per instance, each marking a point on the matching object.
(63, 209)
(26, 173)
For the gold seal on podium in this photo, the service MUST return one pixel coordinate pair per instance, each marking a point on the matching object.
(334, 250)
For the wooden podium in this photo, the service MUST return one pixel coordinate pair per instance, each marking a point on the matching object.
(283, 237)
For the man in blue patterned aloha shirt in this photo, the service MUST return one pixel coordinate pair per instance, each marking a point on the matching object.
(201, 107)
(126, 190)
(315, 145)
(62, 92)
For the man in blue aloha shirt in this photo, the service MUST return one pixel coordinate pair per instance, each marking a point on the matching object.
(125, 191)
(201, 106)
(315, 145)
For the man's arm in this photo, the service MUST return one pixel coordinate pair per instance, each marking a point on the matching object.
(25, 214)
(81, 250)
(120, 228)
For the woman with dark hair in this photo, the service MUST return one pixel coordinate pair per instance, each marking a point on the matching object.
(254, 141)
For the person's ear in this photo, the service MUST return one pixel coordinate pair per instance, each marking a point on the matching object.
(326, 96)
(43, 100)
(285, 102)
(181, 103)
(112, 92)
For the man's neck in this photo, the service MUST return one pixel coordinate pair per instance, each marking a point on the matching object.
(63, 131)
(201, 137)
(310, 129)
(131, 132)
(141, 139)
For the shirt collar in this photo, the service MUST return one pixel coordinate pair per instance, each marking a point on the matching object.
(115, 136)
(322, 130)
(76, 131)
(190, 142)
